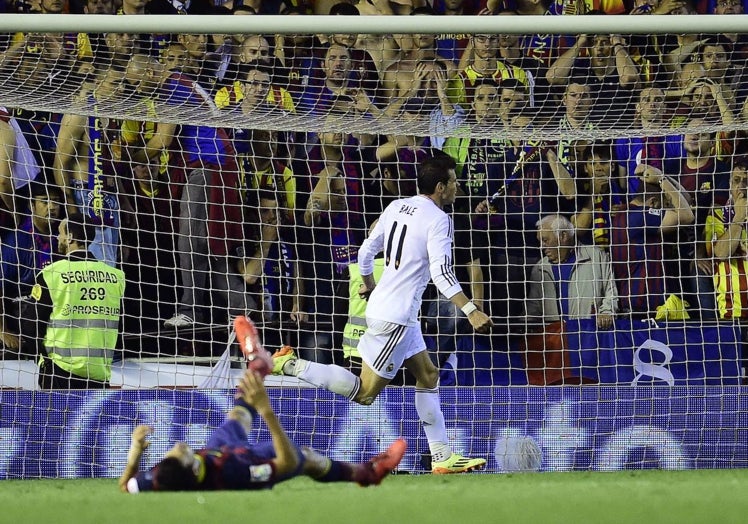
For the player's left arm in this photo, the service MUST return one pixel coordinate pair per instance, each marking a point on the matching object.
(252, 391)
(137, 447)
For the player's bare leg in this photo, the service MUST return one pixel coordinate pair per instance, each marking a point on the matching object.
(371, 385)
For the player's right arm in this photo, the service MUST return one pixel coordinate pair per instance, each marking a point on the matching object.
(370, 248)
(138, 444)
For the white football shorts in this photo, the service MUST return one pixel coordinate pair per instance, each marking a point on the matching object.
(385, 346)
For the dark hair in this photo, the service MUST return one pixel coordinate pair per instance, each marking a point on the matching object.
(717, 40)
(81, 228)
(260, 135)
(171, 475)
(403, 168)
(423, 10)
(513, 83)
(486, 81)
(581, 80)
(301, 9)
(602, 149)
(245, 69)
(344, 8)
(740, 162)
(244, 9)
(266, 194)
(434, 170)
(42, 190)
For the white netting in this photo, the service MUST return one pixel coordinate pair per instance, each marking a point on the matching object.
(601, 223)
(238, 173)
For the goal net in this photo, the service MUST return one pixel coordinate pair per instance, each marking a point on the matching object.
(234, 169)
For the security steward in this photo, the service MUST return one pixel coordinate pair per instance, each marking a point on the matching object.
(80, 300)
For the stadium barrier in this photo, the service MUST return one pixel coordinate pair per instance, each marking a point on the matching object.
(87, 433)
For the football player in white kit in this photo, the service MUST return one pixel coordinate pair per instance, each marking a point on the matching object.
(415, 235)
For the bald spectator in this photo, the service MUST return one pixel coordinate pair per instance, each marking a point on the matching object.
(571, 281)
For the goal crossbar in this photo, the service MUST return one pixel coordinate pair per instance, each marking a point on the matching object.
(196, 24)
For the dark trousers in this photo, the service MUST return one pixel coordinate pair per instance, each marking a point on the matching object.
(53, 377)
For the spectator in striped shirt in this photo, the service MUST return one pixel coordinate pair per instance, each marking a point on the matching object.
(727, 243)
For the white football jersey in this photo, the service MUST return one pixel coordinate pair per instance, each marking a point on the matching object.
(415, 236)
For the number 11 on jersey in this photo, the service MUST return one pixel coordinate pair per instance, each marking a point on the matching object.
(399, 249)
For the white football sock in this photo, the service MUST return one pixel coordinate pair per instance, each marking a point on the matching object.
(328, 376)
(428, 406)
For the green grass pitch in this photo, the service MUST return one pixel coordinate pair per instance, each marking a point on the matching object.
(640, 497)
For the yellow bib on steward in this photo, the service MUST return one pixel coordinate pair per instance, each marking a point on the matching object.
(356, 325)
(86, 309)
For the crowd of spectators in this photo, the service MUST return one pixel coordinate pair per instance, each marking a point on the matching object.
(215, 222)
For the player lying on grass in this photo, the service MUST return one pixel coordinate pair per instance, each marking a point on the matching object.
(228, 462)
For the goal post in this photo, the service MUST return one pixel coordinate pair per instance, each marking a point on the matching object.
(233, 165)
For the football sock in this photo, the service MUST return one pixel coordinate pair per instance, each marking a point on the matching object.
(328, 376)
(337, 472)
(428, 406)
